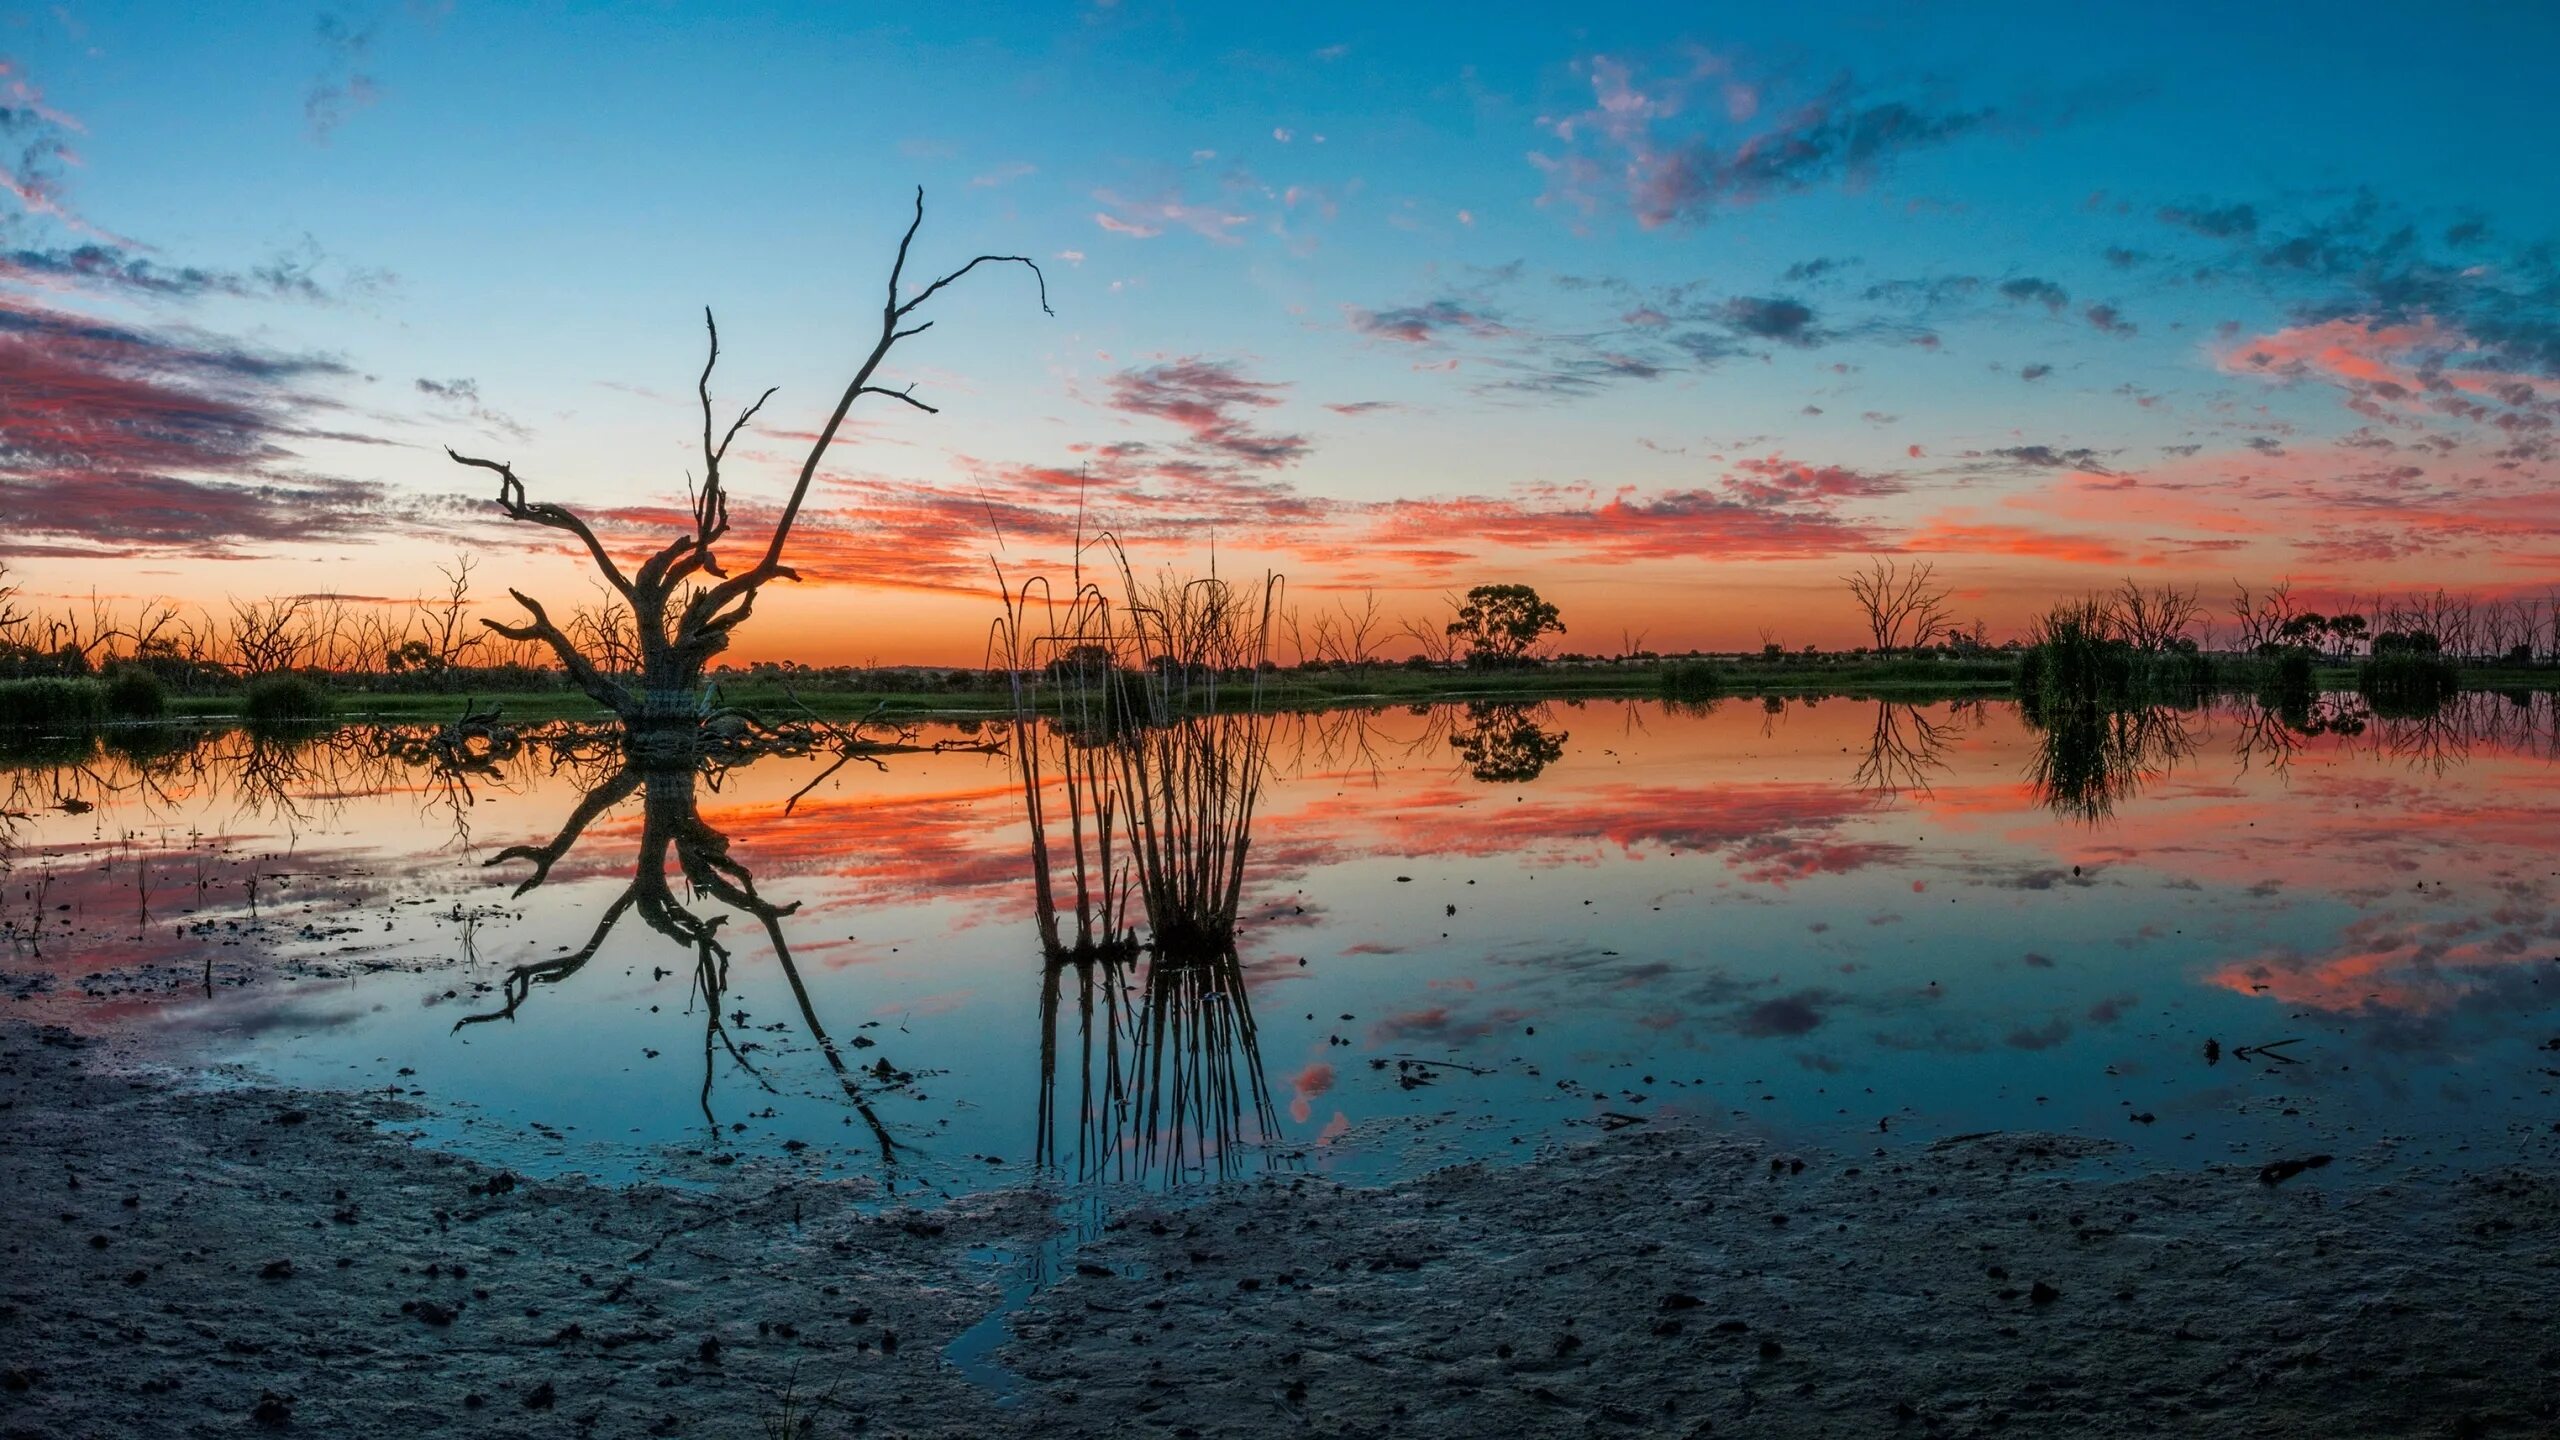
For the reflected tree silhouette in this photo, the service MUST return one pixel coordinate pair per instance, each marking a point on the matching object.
(1905, 748)
(672, 829)
(2090, 759)
(1503, 743)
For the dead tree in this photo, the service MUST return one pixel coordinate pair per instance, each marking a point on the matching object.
(2155, 619)
(678, 621)
(1905, 610)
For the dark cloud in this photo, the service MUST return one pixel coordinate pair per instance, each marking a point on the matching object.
(2111, 1009)
(2034, 372)
(2220, 222)
(2110, 320)
(462, 397)
(1789, 322)
(2039, 457)
(1835, 138)
(1568, 375)
(114, 269)
(1613, 152)
(118, 439)
(1214, 401)
(2041, 1037)
(2027, 288)
(1427, 323)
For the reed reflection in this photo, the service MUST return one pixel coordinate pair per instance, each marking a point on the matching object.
(2090, 759)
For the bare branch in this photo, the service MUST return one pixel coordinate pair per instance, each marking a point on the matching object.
(907, 395)
(511, 500)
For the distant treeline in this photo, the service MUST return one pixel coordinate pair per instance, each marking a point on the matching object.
(97, 662)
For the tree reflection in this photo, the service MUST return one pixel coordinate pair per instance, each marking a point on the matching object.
(2089, 759)
(671, 827)
(1905, 750)
(1502, 743)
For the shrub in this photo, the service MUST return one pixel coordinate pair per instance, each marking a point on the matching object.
(1692, 681)
(136, 694)
(52, 703)
(2293, 672)
(285, 700)
(2407, 682)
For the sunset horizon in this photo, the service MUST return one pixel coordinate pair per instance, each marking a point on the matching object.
(1675, 323)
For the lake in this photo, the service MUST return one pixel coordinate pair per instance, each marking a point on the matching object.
(1459, 931)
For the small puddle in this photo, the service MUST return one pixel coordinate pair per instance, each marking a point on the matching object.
(974, 1350)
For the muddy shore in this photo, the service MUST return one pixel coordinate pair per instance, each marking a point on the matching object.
(183, 1262)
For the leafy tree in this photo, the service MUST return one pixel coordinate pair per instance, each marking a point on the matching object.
(1499, 624)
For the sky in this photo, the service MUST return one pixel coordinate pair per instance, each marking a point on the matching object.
(1675, 313)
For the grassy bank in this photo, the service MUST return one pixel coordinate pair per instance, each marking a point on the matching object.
(926, 693)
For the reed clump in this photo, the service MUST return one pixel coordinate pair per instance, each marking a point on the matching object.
(1140, 740)
(286, 700)
(52, 703)
(1692, 680)
(2096, 652)
(133, 693)
(2408, 674)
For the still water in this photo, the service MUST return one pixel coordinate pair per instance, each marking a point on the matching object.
(1457, 931)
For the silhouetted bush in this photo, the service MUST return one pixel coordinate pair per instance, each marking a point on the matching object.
(2293, 673)
(2407, 682)
(285, 700)
(1692, 681)
(52, 704)
(135, 694)
(2079, 654)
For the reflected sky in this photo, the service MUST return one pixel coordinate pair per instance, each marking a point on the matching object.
(1460, 931)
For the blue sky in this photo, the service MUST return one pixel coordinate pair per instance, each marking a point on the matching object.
(1676, 313)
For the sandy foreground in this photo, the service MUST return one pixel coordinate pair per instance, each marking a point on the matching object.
(186, 1263)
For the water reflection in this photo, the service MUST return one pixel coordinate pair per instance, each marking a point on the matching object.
(1504, 743)
(1908, 747)
(2090, 759)
(1168, 1076)
(672, 826)
(1710, 898)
